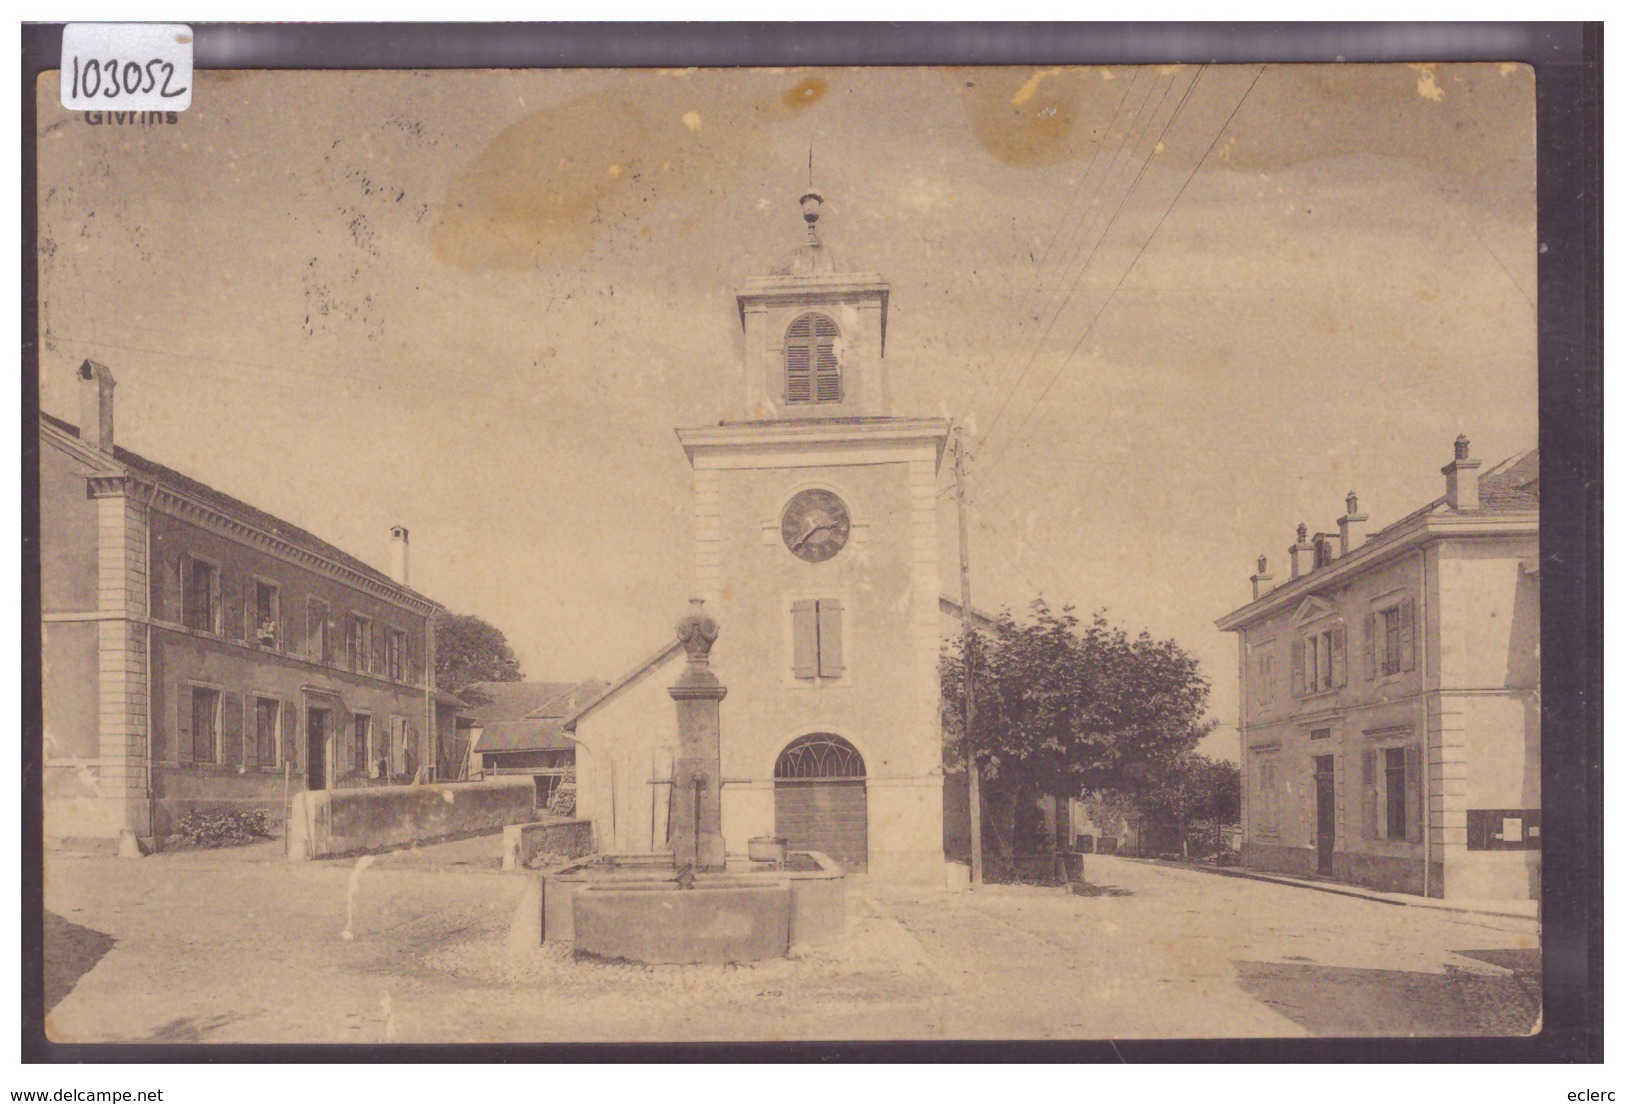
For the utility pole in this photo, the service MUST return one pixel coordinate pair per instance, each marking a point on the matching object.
(965, 649)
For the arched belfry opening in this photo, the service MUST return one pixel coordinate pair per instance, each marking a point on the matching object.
(821, 799)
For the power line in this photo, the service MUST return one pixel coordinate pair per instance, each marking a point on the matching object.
(1038, 279)
(1131, 266)
(1033, 358)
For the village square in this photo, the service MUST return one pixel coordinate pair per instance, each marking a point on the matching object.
(1060, 566)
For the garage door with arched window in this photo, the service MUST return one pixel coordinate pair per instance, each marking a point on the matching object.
(819, 799)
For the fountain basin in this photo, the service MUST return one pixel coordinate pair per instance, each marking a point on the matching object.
(721, 920)
(817, 891)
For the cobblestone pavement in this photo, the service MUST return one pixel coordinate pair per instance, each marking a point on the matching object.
(221, 948)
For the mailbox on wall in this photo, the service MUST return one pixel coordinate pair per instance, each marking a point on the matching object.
(1503, 829)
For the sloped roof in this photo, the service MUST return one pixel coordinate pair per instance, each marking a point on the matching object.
(492, 703)
(1512, 485)
(524, 735)
(526, 716)
(235, 508)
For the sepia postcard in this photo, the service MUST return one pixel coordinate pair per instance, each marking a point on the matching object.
(765, 555)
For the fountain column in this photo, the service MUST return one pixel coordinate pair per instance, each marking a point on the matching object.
(696, 810)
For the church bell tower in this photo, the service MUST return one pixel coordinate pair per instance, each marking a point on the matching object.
(816, 547)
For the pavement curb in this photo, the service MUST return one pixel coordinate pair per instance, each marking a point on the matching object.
(1336, 890)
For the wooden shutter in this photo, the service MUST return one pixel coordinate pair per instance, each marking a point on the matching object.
(1414, 791)
(1340, 655)
(251, 732)
(290, 733)
(156, 586)
(415, 760)
(827, 367)
(1407, 634)
(231, 597)
(831, 658)
(183, 722)
(183, 598)
(312, 627)
(798, 352)
(1368, 794)
(804, 631)
(1370, 645)
(1298, 684)
(165, 597)
(231, 728)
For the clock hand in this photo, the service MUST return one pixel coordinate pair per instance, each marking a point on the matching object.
(808, 534)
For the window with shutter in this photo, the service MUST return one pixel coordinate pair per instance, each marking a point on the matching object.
(831, 662)
(361, 744)
(1370, 645)
(205, 725)
(1368, 794)
(1415, 791)
(1395, 802)
(812, 370)
(1338, 640)
(267, 711)
(804, 638)
(1407, 634)
(202, 597)
(183, 722)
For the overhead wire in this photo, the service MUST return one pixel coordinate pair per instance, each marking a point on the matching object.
(1060, 369)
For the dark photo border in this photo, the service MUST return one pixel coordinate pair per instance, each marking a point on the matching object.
(1567, 59)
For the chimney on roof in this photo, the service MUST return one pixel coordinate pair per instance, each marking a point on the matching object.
(1263, 582)
(1351, 526)
(1461, 477)
(398, 541)
(1302, 553)
(96, 406)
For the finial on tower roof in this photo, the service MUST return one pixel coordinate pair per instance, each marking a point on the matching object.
(811, 203)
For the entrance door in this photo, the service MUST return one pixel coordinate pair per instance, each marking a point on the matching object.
(820, 799)
(1325, 814)
(316, 731)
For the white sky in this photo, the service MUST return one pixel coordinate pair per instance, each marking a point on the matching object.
(478, 303)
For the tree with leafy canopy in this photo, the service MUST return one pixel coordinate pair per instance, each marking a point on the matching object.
(1064, 707)
(1194, 790)
(469, 649)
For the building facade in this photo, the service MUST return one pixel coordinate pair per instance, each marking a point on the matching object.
(817, 552)
(1390, 695)
(200, 654)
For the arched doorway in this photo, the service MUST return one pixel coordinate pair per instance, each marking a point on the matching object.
(820, 800)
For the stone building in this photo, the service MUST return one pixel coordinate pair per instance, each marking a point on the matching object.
(202, 654)
(1390, 695)
(817, 552)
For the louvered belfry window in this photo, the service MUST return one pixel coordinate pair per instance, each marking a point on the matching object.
(812, 373)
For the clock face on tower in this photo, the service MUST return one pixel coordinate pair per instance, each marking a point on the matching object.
(816, 525)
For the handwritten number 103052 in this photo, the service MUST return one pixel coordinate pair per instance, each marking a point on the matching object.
(111, 78)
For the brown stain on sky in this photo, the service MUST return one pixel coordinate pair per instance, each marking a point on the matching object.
(1032, 117)
(1027, 117)
(549, 185)
(805, 93)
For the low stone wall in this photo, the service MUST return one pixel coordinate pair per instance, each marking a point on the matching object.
(344, 822)
(563, 836)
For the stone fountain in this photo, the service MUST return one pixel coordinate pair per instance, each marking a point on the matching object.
(696, 904)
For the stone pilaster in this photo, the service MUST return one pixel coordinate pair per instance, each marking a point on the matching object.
(124, 714)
